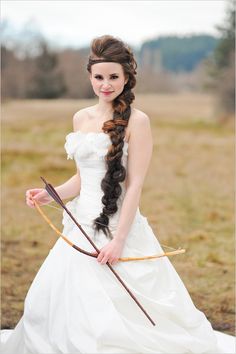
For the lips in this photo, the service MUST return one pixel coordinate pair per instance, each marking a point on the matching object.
(107, 93)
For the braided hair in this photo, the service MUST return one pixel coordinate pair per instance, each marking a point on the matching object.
(109, 49)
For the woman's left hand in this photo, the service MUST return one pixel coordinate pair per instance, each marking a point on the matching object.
(111, 252)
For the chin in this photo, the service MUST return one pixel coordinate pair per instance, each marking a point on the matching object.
(104, 98)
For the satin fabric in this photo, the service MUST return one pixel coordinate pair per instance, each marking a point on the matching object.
(76, 305)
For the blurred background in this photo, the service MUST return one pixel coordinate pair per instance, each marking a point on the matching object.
(185, 52)
(179, 46)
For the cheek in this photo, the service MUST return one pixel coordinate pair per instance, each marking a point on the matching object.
(95, 84)
(119, 85)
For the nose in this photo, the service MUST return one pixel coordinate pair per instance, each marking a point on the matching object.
(106, 84)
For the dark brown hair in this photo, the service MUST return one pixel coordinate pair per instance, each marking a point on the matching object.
(109, 49)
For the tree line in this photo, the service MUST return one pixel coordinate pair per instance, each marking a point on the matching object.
(165, 64)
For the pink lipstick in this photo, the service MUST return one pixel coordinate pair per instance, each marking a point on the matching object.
(107, 93)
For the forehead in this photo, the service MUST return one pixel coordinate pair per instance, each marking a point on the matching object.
(106, 68)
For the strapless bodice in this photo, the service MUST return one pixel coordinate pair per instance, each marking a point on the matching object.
(88, 151)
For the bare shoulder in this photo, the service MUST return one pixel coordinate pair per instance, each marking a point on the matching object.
(138, 116)
(80, 117)
(139, 121)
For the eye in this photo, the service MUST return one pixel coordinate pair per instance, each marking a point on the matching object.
(99, 77)
(114, 77)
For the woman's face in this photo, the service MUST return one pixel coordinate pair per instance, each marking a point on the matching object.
(107, 80)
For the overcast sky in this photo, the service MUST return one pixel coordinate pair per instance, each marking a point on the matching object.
(75, 23)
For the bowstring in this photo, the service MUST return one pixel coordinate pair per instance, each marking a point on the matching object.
(52, 206)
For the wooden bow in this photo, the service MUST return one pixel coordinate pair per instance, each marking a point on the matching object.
(91, 254)
(52, 192)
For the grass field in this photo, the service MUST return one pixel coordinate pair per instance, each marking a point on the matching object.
(188, 195)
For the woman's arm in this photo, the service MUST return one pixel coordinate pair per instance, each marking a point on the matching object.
(70, 188)
(140, 153)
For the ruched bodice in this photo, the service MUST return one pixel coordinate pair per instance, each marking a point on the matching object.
(88, 149)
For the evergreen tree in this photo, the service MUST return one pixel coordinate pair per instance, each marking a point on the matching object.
(226, 44)
(221, 67)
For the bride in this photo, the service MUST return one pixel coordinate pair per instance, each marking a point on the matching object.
(75, 304)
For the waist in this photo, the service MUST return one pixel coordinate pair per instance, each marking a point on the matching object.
(85, 215)
(87, 207)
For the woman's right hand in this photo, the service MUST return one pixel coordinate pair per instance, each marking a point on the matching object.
(40, 195)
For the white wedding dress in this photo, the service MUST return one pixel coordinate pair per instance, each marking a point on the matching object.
(76, 305)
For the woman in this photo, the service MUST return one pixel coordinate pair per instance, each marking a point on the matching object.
(75, 305)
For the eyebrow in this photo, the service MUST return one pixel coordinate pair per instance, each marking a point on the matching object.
(110, 74)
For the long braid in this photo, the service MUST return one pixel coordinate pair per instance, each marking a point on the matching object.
(112, 49)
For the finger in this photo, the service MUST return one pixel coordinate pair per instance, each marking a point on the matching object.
(30, 204)
(100, 257)
(114, 261)
(37, 197)
(30, 200)
(104, 260)
(33, 191)
(28, 194)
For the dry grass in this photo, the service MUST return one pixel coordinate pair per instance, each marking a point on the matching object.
(187, 196)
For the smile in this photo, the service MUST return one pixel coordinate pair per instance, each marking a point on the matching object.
(107, 93)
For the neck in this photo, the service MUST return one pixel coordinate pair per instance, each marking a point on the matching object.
(104, 108)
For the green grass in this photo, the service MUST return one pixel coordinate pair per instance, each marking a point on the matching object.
(187, 196)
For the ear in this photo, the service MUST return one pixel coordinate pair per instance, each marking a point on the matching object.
(126, 80)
